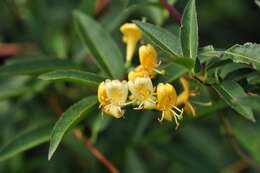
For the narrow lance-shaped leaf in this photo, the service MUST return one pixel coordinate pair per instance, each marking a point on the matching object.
(189, 31)
(183, 61)
(34, 66)
(248, 53)
(230, 91)
(172, 72)
(161, 37)
(101, 45)
(71, 117)
(77, 76)
(26, 141)
(250, 101)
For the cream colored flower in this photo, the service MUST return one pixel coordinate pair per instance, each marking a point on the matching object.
(166, 102)
(131, 35)
(112, 96)
(142, 92)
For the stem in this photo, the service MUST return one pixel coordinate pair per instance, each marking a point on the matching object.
(172, 10)
(95, 152)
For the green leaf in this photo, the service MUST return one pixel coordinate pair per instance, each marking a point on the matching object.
(77, 76)
(101, 45)
(183, 61)
(254, 78)
(226, 69)
(34, 66)
(172, 72)
(249, 53)
(247, 134)
(161, 37)
(88, 7)
(229, 91)
(133, 163)
(189, 31)
(203, 53)
(250, 101)
(26, 141)
(8, 92)
(71, 117)
(257, 3)
(186, 155)
(100, 123)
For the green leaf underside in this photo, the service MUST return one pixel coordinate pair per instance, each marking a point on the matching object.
(103, 48)
(161, 37)
(248, 53)
(26, 141)
(77, 76)
(35, 66)
(250, 101)
(172, 72)
(189, 31)
(71, 117)
(229, 91)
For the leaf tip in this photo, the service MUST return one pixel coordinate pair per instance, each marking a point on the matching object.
(50, 155)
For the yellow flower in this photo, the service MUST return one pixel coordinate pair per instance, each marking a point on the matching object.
(148, 59)
(138, 72)
(112, 96)
(183, 98)
(131, 35)
(142, 92)
(166, 102)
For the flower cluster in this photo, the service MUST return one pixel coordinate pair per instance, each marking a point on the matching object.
(113, 94)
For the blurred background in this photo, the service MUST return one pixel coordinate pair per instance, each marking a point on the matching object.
(135, 144)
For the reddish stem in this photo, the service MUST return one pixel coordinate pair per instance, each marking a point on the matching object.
(172, 10)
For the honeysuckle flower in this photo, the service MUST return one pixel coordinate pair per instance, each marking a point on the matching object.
(183, 98)
(148, 59)
(131, 35)
(166, 102)
(142, 92)
(112, 96)
(139, 71)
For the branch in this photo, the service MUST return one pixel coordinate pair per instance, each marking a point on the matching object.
(172, 10)
(95, 152)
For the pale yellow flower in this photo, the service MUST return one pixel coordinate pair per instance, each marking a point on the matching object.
(131, 35)
(166, 102)
(148, 60)
(139, 71)
(112, 96)
(142, 92)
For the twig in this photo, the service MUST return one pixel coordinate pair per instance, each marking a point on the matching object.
(12, 49)
(78, 134)
(9, 49)
(172, 10)
(95, 152)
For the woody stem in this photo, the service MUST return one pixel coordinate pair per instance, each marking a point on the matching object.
(172, 10)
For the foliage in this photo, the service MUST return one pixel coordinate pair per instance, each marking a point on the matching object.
(62, 53)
